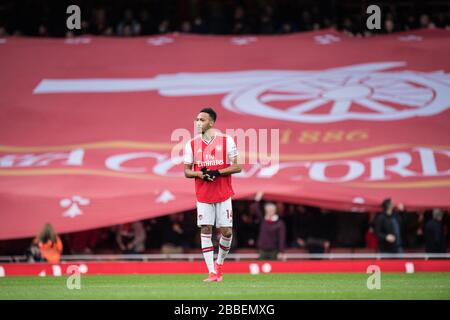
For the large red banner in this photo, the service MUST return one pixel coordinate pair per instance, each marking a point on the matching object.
(86, 127)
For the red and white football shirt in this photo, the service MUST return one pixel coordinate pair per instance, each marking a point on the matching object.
(214, 155)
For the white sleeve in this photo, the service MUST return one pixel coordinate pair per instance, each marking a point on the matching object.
(232, 151)
(188, 154)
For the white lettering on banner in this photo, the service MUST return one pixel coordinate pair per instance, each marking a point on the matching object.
(379, 167)
(258, 144)
(257, 151)
(115, 162)
(379, 94)
(270, 171)
(414, 162)
(428, 161)
(163, 167)
(72, 158)
(247, 173)
(355, 170)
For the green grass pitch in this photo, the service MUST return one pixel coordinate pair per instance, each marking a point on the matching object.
(234, 287)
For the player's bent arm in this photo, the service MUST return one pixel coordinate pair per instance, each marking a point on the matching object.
(235, 167)
(189, 173)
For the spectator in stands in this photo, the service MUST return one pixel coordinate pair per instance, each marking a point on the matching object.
(424, 21)
(287, 27)
(306, 23)
(389, 26)
(411, 23)
(300, 225)
(223, 17)
(370, 236)
(434, 234)
(388, 228)
(130, 237)
(348, 27)
(199, 26)
(289, 218)
(186, 27)
(240, 23)
(321, 228)
(173, 234)
(413, 226)
(266, 23)
(3, 32)
(442, 21)
(83, 242)
(154, 232)
(164, 26)
(248, 231)
(128, 26)
(246, 227)
(42, 30)
(46, 247)
(99, 23)
(146, 22)
(350, 228)
(272, 231)
(218, 17)
(317, 18)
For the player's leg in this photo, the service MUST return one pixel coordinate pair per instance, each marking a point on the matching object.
(205, 220)
(208, 252)
(225, 224)
(225, 243)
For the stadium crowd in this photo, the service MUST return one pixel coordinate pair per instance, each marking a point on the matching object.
(270, 228)
(146, 17)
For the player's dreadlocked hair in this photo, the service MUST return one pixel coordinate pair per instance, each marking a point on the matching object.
(211, 113)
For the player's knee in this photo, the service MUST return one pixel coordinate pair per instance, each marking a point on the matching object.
(227, 232)
(206, 229)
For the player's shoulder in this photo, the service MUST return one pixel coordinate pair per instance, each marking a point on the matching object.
(224, 135)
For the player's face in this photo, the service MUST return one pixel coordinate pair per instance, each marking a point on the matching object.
(203, 122)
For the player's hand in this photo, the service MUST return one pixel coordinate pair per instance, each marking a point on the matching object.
(205, 176)
(210, 175)
(213, 174)
(390, 238)
(259, 195)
